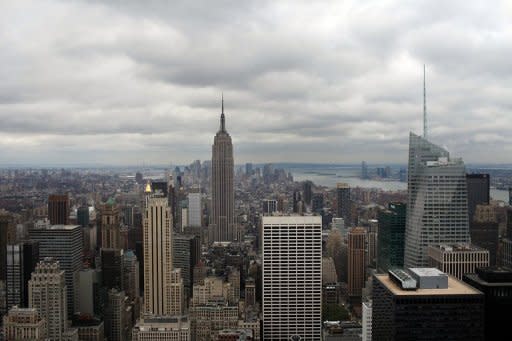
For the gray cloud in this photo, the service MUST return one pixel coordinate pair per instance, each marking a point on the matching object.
(127, 81)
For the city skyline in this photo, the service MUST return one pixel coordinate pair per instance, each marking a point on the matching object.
(127, 83)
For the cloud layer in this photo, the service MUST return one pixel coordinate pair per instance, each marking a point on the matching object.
(126, 82)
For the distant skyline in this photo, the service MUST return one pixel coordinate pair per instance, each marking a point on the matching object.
(122, 83)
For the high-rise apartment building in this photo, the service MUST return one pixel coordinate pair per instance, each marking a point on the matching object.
(64, 244)
(47, 294)
(457, 259)
(496, 285)
(292, 278)
(356, 242)
(437, 207)
(391, 237)
(58, 209)
(157, 234)
(343, 203)
(425, 304)
(222, 223)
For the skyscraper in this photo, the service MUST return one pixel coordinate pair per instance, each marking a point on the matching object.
(343, 203)
(58, 209)
(222, 225)
(195, 209)
(390, 235)
(478, 192)
(157, 254)
(47, 293)
(356, 261)
(110, 226)
(437, 207)
(64, 244)
(292, 278)
(425, 304)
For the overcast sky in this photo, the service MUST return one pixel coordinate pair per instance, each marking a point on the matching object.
(126, 82)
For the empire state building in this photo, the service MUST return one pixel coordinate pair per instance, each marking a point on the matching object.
(222, 226)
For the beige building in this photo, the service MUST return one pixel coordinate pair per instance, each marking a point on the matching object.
(222, 225)
(24, 324)
(356, 241)
(457, 259)
(208, 319)
(110, 226)
(177, 293)
(47, 294)
(328, 271)
(212, 289)
(162, 329)
(157, 239)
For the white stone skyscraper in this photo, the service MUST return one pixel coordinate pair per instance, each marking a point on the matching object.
(222, 225)
(437, 204)
(292, 278)
(157, 242)
(47, 293)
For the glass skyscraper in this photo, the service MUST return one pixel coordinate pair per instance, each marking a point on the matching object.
(437, 207)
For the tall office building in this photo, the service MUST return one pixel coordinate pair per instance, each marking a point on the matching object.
(269, 206)
(117, 325)
(110, 226)
(82, 216)
(58, 209)
(292, 278)
(186, 252)
(64, 244)
(356, 261)
(437, 206)
(6, 237)
(478, 192)
(222, 224)
(47, 293)
(425, 304)
(195, 208)
(458, 259)
(496, 285)
(343, 203)
(112, 268)
(484, 230)
(157, 254)
(364, 170)
(391, 237)
(367, 321)
(177, 293)
(307, 189)
(30, 260)
(15, 273)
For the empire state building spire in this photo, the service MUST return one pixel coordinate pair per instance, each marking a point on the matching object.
(222, 117)
(222, 223)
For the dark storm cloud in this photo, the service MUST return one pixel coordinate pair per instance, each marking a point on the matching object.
(129, 81)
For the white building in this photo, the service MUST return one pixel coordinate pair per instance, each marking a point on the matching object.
(437, 201)
(292, 278)
(457, 259)
(367, 321)
(47, 294)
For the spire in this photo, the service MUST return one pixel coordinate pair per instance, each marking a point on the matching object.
(222, 118)
(425, 130)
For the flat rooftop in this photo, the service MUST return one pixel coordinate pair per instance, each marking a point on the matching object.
(455, 287)
(292, 220)
(461, 247)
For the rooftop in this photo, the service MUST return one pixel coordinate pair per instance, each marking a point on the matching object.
(455, 287)
(459, 247)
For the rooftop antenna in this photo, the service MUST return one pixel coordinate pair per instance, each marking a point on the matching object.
(425, 130)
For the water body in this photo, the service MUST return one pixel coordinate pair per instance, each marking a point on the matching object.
(330, 175)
